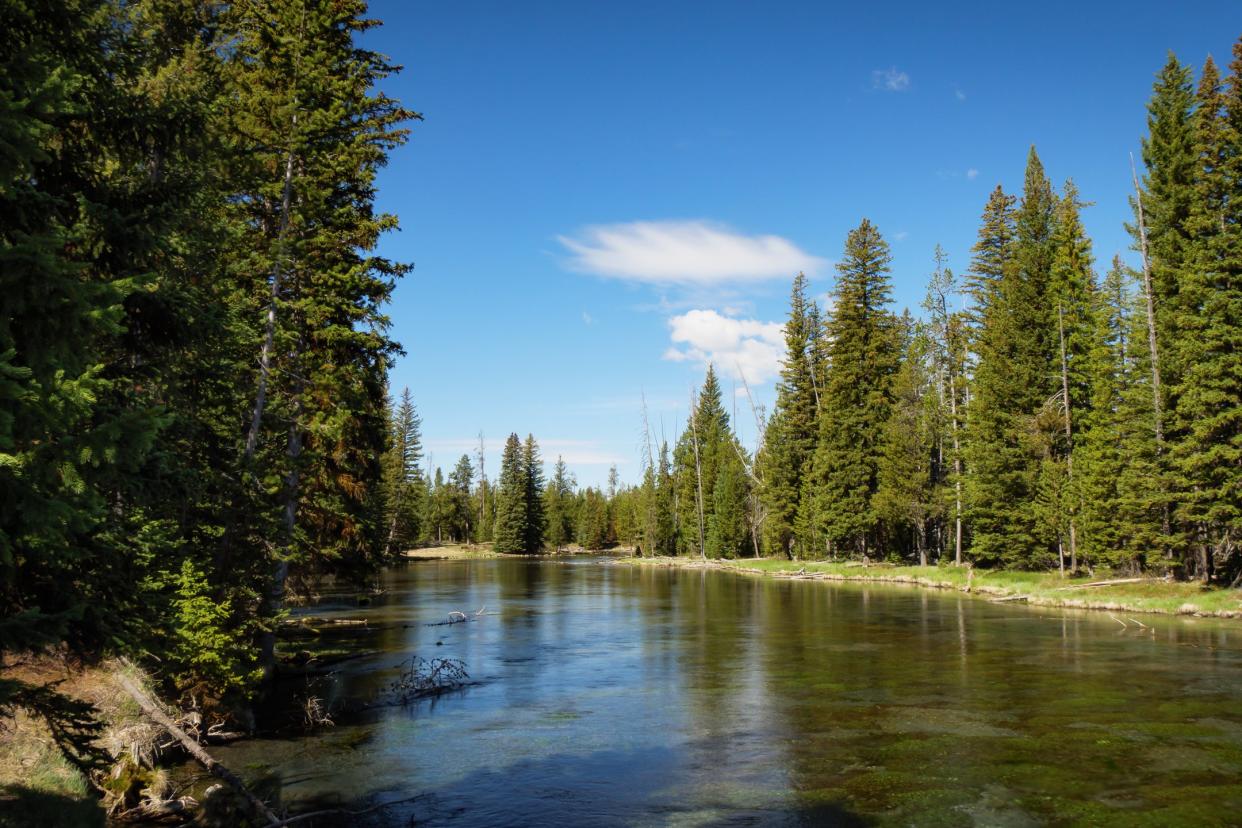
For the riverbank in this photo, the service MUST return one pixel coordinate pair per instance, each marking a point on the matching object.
(114, 766)
(1046, 589)
(450, 552)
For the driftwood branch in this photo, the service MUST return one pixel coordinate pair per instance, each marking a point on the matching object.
(1094, 584)
(153, 712)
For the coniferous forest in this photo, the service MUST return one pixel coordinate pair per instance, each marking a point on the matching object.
(197, 427)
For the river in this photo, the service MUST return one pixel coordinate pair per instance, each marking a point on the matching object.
(619, 695)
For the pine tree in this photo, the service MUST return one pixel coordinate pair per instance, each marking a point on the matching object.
(311, 132)
(557, 506)
(593, 520)
(947, 337)
(403, 481)
(1168, 152)
(462, 511)
(908, 496)
(1013, 381)
(696, 459)
(789, 440)
(863, 357)
(511, 532)
(728, 532)
(1206, 450)
(1114, 459)
(1072, 301)
(536, 521)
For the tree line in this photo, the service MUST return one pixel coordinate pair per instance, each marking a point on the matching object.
(521, 512)
(193, 346)
(1035, 414)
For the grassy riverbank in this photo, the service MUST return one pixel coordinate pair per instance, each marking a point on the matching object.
(41, 785)
(1046, 589)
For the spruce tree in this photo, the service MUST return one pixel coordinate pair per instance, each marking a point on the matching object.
(789, 440)
(536, 521)
(908, 496)
(697, 459)
(1206, 450)
(728, 532)
(510, 532)
(403, 480)
(557, 506)
(1014, 378)
(863, 356)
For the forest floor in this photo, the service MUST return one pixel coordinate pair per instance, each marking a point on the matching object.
(1115, 593)
(42, 785)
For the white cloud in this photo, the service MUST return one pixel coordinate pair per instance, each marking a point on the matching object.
(959, 94)
(890, 79)
(587, 319)
(739, 348)
(574, 452)
(901, 235)
(686, 253)
(972, 174)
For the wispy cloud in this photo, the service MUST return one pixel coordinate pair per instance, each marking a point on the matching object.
(958, 93)
(972, 174)
(573, 452)
(587, 319)
(684, 253)
(891, 79)
(739, 348)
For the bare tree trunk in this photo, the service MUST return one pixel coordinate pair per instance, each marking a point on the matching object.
(269, 333)
(1158, 414)
(274, 600)
(698, 472)
(1069, 439)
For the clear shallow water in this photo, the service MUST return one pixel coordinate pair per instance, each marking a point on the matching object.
(616, 695)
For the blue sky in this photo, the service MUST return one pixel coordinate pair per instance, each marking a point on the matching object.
(603, 195)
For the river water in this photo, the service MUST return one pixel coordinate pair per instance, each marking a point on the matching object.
(619, 695)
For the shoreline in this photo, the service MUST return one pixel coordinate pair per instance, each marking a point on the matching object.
(1134, 595)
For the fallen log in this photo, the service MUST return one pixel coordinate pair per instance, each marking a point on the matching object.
(158, 716)
(1101, 584)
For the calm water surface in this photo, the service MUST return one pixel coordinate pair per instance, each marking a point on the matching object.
(616, 695)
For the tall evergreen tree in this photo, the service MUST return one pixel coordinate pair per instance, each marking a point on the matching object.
(403, 477)
(557, 506)
(511, 531)
(908, 496)
(1206, 449)
(536, 520)
(697, 460)
(789, 440)
(863, 357)
(1014, 379)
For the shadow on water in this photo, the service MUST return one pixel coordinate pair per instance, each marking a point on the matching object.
(596, 790)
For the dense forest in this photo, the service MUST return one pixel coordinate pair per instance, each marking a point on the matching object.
(1033, 414)
(193, 347)
(196, 423)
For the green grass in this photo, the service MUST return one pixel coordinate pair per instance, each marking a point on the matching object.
(1041, 588)
(38, 786)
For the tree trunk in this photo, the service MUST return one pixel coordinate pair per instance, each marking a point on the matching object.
(1069, 439)
(269, 333)
(1157, 413)
(698, 472)
(276, 590)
